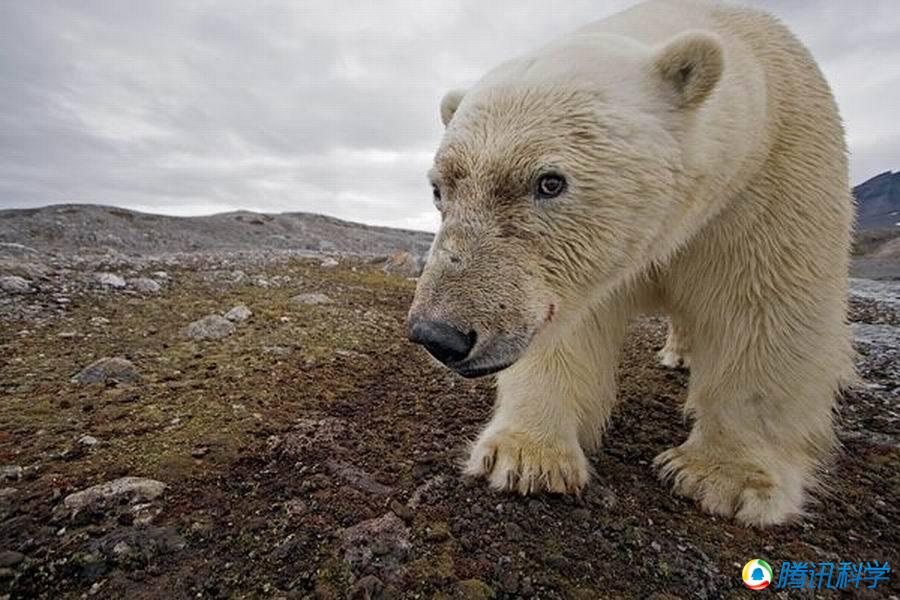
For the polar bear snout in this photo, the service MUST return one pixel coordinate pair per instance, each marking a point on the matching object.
(443, 341)
(466, 352)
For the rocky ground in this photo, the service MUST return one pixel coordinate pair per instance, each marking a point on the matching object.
(254, 424)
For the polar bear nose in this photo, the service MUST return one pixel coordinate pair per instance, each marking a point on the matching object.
(442, 340)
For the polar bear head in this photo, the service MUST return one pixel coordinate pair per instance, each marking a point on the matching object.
(558, 177)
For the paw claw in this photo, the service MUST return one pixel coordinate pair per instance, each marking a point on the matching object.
(514, 462)
(729, 487)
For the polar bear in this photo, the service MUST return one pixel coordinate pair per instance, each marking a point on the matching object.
(682, 156)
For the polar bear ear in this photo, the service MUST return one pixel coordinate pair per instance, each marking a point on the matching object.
(692, 63)
(449, 105)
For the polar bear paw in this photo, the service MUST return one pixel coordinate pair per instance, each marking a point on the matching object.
(729, 487)
(518, 462)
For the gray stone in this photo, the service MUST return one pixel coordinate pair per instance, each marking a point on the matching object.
(311, 298)
(88, 440)
(136, 489)
(382, 542)
(11, 472)
(212, 327)
(110, 280)
(329, 263)
(145, 285)
(13, 284)
(239, 313)
(109, 369)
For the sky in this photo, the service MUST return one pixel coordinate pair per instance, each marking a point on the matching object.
(190, 107)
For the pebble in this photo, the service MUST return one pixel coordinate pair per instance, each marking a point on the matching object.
(88, 440)
(11, 472)
(110, 280)
(145, 285)
(329, 263)
(311, 298)
(403, 511)
(211, 327)
(239, 313)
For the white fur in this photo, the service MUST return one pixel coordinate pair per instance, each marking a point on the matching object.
(708, 182)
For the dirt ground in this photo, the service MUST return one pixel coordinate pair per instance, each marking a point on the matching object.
(314, 453)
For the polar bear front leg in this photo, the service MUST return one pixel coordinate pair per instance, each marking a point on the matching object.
(551, 406)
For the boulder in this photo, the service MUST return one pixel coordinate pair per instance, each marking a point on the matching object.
(106, 370)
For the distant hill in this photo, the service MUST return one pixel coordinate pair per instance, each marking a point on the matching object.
(878, 201)
(89, 228)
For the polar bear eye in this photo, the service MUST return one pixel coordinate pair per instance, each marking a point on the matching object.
(550, 185)
(436, 194)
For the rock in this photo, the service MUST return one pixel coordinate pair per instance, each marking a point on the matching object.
(239, 313)
(366, 588)
(382, 542)
(402, 263)
(212, 327)
(145, 285)
(13, 284)
(11, 472)
(10, 558)
(110, 280)
(121, 549)
(160, 275)
(134, 488)
(88, 440)
(311, 298)
(329, 263)
(403, 511)
(357, 478)
(110, 369)
(474, 589)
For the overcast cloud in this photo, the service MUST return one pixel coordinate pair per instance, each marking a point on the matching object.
(195, 106)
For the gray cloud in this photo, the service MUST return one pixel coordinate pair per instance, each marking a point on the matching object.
(192, 106)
